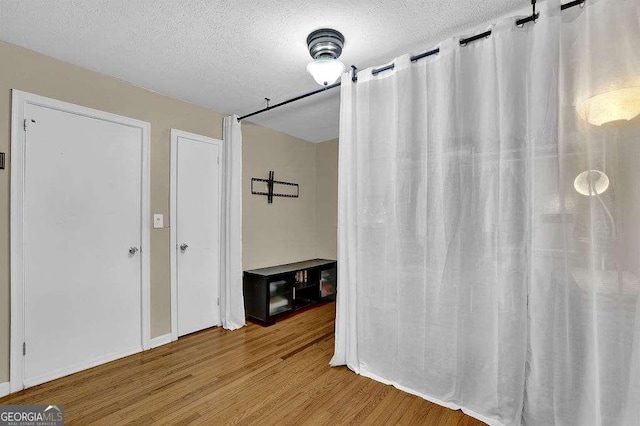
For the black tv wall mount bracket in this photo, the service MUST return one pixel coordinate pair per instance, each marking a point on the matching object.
(270, 188)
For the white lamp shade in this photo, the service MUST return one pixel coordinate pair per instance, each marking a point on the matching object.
(621, 104)
(325, 71)
(591, 182)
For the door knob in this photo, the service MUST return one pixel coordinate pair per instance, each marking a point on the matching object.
(183, 247)
(133, 250)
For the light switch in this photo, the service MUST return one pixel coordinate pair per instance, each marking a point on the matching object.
(158, 221)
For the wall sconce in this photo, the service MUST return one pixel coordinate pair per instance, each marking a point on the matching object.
(621, 104)
(591, 182)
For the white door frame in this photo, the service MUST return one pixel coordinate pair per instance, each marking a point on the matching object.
(18, 136)
(173, 214)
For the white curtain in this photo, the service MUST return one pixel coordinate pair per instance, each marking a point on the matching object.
(231, 299)
(471, 270)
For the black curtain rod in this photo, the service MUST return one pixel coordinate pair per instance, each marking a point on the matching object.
(571, 4)
(533, 17)
(288, 101)
(463, 42)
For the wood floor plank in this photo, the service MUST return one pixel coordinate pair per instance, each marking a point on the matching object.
(254, 375)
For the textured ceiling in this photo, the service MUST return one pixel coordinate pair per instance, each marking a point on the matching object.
(230, 55)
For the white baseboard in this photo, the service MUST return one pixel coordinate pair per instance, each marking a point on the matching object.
(5, 389)
(160, 340)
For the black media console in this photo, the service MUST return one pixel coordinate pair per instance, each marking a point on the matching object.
(279, 290)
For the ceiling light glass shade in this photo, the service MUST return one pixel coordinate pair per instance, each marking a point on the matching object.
(325, 71)
(591, 182)
(622, 104)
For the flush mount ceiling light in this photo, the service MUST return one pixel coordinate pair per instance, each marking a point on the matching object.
(325, 46)
(591, 182)
(622, 104)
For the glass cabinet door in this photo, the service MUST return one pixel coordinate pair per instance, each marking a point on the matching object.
(328, 283)
(280, 297)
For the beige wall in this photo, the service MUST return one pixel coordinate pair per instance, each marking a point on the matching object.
(327, 200)
(284, 231)
(278, 233)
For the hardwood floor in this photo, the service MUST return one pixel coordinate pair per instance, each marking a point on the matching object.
(256, 375)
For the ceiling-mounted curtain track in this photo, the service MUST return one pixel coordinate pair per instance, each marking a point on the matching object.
(463, 42)
(533, 17)
(297, 98)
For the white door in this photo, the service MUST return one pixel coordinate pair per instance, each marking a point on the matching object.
(82, 214)
(197, 222)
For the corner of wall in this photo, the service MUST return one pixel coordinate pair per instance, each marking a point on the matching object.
(316, 224)
(327, 199)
